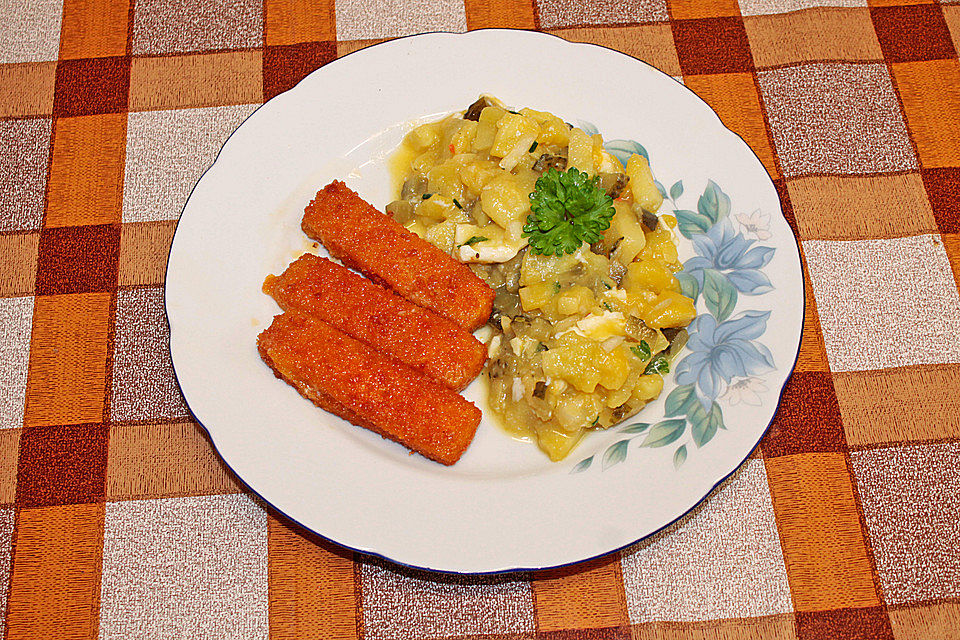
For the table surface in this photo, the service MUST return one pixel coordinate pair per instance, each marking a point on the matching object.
(120, 521)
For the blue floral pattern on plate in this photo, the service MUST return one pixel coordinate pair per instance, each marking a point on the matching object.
(725, 363)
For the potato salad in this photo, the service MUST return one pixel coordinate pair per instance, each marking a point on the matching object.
(588, 314)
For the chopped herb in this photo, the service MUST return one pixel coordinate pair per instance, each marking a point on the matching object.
(541, 347)
(658, 365)
(607, 284)
(457, 204)
(595, 421)
(606, 305)
(567, 209)
(556, 287)
(533, 147)
(514, 112)
(475, 240)
(641, 350)
(426, 196)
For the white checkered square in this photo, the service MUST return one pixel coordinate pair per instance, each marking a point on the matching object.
(762, 7)
(24, 156)
(885, 303)
(16, 322)
(184, 568)
(367, 19)
(911, 500)
(411, 607)
(30, 30)
(722, 561)
(144, 384)
(179, 26)
(167, 152)
(836, 118)
(7, 515)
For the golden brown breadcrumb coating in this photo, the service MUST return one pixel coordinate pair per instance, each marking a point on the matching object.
(415, 336)
(347, 377)
(375, 244)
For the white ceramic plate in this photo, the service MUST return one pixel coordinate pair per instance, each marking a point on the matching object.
(504, 506)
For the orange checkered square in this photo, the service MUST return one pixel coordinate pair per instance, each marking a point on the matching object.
(55, 587)
(68, 360)
(86, 172)
(94, 28)
(296, 21)
(735, 98)
(931, 101)
(827, 561)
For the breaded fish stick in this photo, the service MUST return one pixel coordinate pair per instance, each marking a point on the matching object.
(390, 324)
(345, 376)
(377, 245)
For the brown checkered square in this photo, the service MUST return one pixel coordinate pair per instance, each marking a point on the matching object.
(812, 36)
(652, 43)
(27, 89)
(89, 86)
(346, 47)
(931, 102)
(823, 205)
(86, 172)
(587, 595)
(144, 247)
(94, 28)
(165, 460)
(951, 245)
(285, 66)
(62, 465)
(68, 355)
(943, 189)
(9, 452)
(312, 584)
(78, 259)
(926, 621)
(813, 352)
(24, 156)
(203, 80)
(869, 623)
(914, 32)
(712, 45)
(872, 404)
(55, 586)
(295, 21)
(808, 419)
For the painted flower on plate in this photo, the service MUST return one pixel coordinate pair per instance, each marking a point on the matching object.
(745, 391)
(723, 351)
(755, 224)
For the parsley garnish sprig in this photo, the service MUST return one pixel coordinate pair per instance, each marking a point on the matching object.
(568, 209)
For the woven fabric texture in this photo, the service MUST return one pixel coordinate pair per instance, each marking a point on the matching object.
(117, 518)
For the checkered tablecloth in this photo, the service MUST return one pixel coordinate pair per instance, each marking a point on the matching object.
(120, 521)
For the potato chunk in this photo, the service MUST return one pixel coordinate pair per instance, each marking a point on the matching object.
(644, 189)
